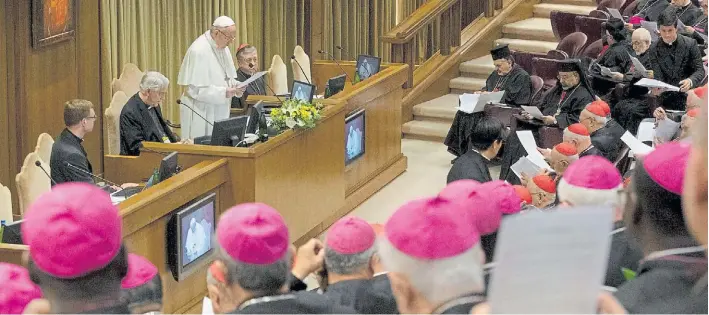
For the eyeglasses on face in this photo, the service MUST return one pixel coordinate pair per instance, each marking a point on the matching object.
(228, 37)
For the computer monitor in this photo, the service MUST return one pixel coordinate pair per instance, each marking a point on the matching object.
(367, 66)
(189, 236)
(302, 91)
(168, 166)
(229, 132)
(11, 234)
(255, 114)
(335, 85)
(354, 136)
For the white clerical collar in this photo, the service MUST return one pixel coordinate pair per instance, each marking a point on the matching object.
(380, 273)
(478, 152)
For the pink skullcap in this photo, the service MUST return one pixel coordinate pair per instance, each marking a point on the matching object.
(566, 149)
(72, 230)
(579, 129)
(503, 196)
(431, 228)
(485, 214)
(16, 289)
(596, 109)
(350, 235)
(523, 193)
(593, 172)
(635, 19)
(545, 183)
(666, 165)
(253, 233)
(140, 272)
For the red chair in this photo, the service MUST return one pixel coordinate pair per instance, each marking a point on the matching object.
(546, 69)
(593, 50)
(563, 23)
(592, 27)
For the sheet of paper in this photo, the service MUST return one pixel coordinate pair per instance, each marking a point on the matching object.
(605, 71)
(615, 13)
(467, 102)
(492, 97)
(635, 145)
(639, 67)
(551, 262)
(680, 25)
(652, 83)
(651, 27)
(524, 165)
(666, 129)
(530, 145)
(251, 79)
(207, 306)
(646, 130)
(534, 111)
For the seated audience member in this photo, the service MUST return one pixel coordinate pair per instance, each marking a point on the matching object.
(508, 77)
(633, 107)
(673, 260)
(648, 10)
(560, 157)
(253, 254)
(141, 118)
(682, 102)
(486, 141)
(605, 133)
(616, 58)
(247, 60)
(578, 136)
(699, 26)
(17, 289)
(676, 59)
(350, 256)
(525, 196)
(594, 181)
(142, 286)
(685, 11)
(543, 190)
(76, 254)
(561, 107)
(79, 118)
(641, 41)
(427, 278)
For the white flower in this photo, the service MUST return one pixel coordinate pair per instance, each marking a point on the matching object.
(301, 123)
(290, 122)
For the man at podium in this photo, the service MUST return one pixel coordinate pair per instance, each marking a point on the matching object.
(209, 76)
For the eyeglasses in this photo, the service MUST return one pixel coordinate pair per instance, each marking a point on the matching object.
(228, 37)
(564, 76)
(91, 117)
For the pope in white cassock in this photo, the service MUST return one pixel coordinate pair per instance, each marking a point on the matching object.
(196, 242)
(354, 142)
(209, 76)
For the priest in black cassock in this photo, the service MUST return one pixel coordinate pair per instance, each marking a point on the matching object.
(633, 107)
(486, 141)
(508, 77)
(685, 11)
(616, 58)
(561, 107)
(247, 60)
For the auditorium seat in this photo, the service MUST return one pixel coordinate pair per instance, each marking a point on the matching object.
(550, 136)
(31, 181)
(572, 44)
(613, 4)
(629, 7)
(593, 50)
(128, 81)
(592, 27)
(277, 76)
(301, 74)
(546, 69)
(5, 204)
(623, 161)
(44, 147)
(599, 14)
(537, 85)
(524, 59)
(563, 23)
(112, 116)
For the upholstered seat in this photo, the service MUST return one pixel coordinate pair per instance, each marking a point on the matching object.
(592, 27)
(128, 81)
(277, 77)
(32, 181)
(562, 23)
(5, 204)
(303, 59)
(112, 117)
(44, 147)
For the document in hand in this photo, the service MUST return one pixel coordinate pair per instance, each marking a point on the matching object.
(473, 103)
(524, 165)
(639, 67)
(251, 79)
(551, 262)
(666, 129)
(635, 145)
(615, 13)
(680, 25)
(605, 71)
(534, 111)
(652, 83)
(530, 145)
(651, 27)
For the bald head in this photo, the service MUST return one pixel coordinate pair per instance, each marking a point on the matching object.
(641, 40)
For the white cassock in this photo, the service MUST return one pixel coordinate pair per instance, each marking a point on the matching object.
(196, 241)
(354, 145)
(365, 70)
(206, 72)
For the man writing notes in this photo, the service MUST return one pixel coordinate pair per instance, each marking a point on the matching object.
(508, 77)
(141, 118)
(247, 60)
(209, 75)
(676, 59)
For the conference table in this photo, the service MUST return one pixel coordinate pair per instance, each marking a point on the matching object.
(301, 173)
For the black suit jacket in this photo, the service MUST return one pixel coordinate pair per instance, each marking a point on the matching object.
(257, 87)
(137, 126)
(361, 295)
(67, 148)
(470, 165)
(302, 302)
(607, 139)
(624, 253)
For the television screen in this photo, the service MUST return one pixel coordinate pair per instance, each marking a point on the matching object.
(303, 91)
(367, 66)
(189, 236)
(354, 136)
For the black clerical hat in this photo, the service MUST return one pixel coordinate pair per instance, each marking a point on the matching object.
(569, 65)
(615, 25)
(500, 52)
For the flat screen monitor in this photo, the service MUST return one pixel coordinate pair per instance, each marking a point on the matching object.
(255, 114)
(302, 91)
(354, 136)
(367, 66)
(11, 234)
(189, 236)
(229, 132)
(335, 85)
(168, 166)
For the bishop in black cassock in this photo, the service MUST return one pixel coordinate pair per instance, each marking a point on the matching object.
(247, 58)
(142, 122)
(508, 77)
(561, 107)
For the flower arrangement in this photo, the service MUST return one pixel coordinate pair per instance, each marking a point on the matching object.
(295, 113)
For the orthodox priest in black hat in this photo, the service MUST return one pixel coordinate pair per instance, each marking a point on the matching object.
(561, 107)
(616, 58)
(508, 77)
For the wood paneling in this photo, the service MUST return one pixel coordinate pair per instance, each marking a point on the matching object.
(39, 81)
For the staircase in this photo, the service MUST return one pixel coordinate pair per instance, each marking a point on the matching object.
(432, 119)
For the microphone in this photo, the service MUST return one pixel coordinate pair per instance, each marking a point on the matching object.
(97, 177)
(39, 164)
(195, 112)
(301, 68)
(338, 64)
(344, 51)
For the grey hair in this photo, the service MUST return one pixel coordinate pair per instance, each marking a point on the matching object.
(343, 264)
(259, 279)
(153, 81)
(441, 280)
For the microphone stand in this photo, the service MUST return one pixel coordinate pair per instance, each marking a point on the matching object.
(344, 51)
(39, 164)
(338, 64)
(301, 69)
(99, 177)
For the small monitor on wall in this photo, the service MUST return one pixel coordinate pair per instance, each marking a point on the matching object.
(367, 66)
(189, 236)
(354, 136)
(302, 91)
